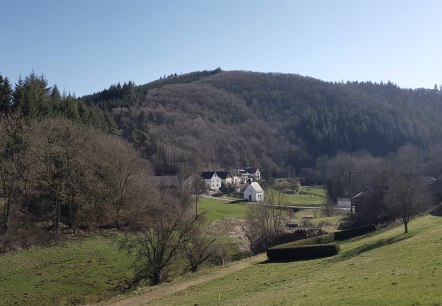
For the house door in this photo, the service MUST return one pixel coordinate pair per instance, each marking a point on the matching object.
(250, 197)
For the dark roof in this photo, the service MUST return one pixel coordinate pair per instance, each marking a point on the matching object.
(207, 175)
(223, 174)
(250, 170)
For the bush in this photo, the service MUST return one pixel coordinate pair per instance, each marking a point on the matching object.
(354, 232)
(291, 253)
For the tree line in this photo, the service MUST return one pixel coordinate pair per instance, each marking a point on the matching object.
(278, 122)
(56, 172)
(32, 98)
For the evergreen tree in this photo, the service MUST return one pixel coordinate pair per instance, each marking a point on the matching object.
(31, 97)
(5, 95)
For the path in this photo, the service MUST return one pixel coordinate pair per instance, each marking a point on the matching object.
(161, 291)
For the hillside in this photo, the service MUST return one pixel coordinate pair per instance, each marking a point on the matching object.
(383, 268)
(273, 121)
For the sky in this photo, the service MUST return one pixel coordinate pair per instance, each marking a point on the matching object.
(84, 46)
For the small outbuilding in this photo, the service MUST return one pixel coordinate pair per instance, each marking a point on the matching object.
(344, 203)
(254, 192)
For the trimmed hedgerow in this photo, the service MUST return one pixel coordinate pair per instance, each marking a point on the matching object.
(354, 232)
(322, 239)
(302, 252)
(315, 247)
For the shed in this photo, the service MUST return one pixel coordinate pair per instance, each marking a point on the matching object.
(254, 192)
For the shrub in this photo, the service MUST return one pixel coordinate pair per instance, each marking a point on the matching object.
(354, 232)
(291, 253)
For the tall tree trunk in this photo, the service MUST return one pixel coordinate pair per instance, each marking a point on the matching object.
(57, 215)
(7, 208)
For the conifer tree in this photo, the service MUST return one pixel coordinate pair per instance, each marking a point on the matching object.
(5, 95)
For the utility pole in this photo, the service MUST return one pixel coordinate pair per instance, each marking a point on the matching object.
(196, 198)
(351, 195)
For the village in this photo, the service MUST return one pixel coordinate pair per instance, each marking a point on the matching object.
(240, 181)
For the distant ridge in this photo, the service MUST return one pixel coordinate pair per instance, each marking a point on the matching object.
(278, 122)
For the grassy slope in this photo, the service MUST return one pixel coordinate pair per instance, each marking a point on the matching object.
(75, 272)
(383, 268)
(219, 209)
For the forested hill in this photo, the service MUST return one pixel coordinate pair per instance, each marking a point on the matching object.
(273, 121)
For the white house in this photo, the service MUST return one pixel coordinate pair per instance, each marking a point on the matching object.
(254, 173)
(212, 180)
(248, 174)
(254, 192)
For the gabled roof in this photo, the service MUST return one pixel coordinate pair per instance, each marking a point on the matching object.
(223, 174)
(255, 186)
(251, 170)
(207, 175)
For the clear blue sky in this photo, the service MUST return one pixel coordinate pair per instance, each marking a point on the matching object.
(86, 45)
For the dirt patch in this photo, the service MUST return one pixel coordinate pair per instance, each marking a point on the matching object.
(232, 228)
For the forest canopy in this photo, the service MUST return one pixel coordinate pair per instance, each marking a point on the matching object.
(278, 122)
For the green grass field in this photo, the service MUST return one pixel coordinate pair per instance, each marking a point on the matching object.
(308, 196)
(75, 272)
(319, 218)
(79, 270)
(383, 268)
(219, 209)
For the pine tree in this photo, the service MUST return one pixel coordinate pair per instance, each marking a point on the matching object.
(31, 97)
(5, 96)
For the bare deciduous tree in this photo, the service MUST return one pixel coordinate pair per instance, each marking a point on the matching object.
(121, 172)
(60, 168)
(199, 245)
(14, 162)
(159, 232)
(265, 222)
(406, 197)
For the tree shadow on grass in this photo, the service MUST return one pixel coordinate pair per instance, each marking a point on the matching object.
(371, 246)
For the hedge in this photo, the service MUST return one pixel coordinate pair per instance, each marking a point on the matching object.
(354, 232)
(322, 239)
(302, 252)
(315, 247)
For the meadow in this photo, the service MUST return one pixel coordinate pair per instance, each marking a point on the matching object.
(386, 267)
(307, 196)
(217, 209)
(72, 272)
